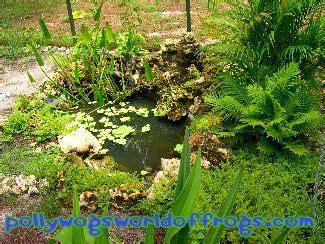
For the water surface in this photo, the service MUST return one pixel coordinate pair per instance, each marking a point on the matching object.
(145, 149)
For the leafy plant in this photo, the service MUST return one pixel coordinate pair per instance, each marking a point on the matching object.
(278, 112)
(32, 117)
(266, 35)
(282, 181)
(96, 69)
(75, 234)
(186, 194)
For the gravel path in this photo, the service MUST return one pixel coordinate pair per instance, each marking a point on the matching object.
(14, 81)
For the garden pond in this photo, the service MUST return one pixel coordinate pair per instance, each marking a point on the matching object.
(133, 133)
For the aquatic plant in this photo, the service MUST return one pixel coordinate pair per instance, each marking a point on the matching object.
(96, 66)
(113, 121)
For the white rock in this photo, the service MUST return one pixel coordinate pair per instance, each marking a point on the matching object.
(79, 141)
(32, 190)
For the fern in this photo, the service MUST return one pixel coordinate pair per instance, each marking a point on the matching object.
(281, 113)
(272, 34)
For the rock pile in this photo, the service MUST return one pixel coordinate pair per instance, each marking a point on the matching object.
(179, 81)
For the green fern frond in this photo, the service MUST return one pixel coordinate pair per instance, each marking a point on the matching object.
(296, 148)
(235, 88)
(227, 106)
(253, 122)
(308, 121)
(265, 146)
(302, 101)
(281, 85)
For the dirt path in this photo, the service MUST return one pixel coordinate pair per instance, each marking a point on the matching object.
(14, 81)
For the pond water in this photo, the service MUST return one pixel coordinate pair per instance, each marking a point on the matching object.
(153, 137)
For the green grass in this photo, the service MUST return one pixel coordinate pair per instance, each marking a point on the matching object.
(15, 10)
(15, 36)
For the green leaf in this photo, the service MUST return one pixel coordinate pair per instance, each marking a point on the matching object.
(31, 78)
(45, 31)
(77, 232)
(85, 35)
(185, 203)
(64, 236)
(214, 234)
(103, 237)
(297, 149)
(282, 236)
(109, 35)
(148, 71)
(265, 146)
(73, 234)
(111, 66)
(98, 11)
(150, 238)
(184, 167)
(38, 56)
(99, 95)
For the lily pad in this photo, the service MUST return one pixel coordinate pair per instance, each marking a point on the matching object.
(145, 128)
(124, 119)
(123, 131)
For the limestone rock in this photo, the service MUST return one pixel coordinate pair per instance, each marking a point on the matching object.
(79, 141)
(21, 185)
(213, 148)
(89, 200)
(179, 76)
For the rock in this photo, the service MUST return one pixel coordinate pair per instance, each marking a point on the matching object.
(79, 141)
(21, 185)
(89, 200)
(170, 166)
(127, 192)
(32, 191)
(213, 149)
(179, 76)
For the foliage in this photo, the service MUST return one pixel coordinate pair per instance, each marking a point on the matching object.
(13, 43)
(266, 35)
(96, 69)
(271, 186)
(35, 118)
(186, 194)
(27, 161)
(281, 111)
(205, 123)
(75, 234)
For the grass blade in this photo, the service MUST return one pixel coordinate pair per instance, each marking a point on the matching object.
(281, 237)
(77, 232)
(31, 78)
(185, 203)
(98, 11)
(149, 239)
(214, 234)
(38, 56)
(184, 167)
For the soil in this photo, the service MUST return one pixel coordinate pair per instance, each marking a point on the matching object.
(14, 81)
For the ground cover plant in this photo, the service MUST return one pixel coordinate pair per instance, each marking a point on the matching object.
(95, 125)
